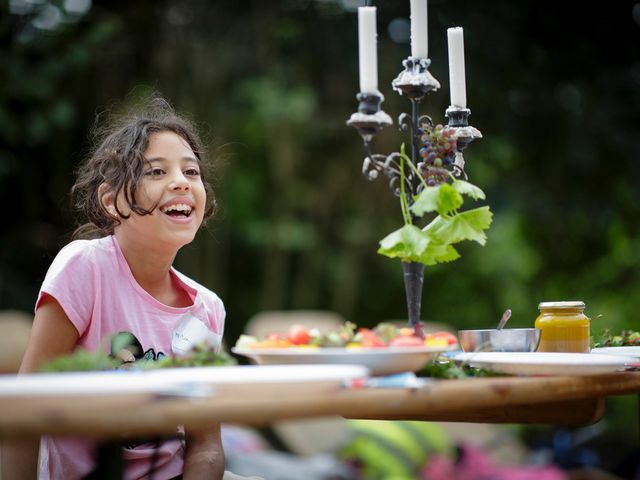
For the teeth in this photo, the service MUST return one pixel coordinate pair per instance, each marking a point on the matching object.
(180, 207)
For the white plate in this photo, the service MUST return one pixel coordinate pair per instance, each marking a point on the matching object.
(545, 363)
(631, 351)
(380, 361)
(175, 381)
(262, 374)
(81, 383)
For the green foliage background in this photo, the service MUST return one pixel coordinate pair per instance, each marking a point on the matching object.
(272, 83)
(553, 86)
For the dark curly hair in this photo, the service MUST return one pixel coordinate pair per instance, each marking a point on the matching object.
(118, 160)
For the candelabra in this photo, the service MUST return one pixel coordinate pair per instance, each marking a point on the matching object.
(415, 81)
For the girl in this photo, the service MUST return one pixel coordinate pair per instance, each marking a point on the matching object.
(144, 193)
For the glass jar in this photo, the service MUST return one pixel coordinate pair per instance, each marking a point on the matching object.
(563, 327)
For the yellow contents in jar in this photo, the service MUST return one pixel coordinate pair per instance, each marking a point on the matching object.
(563, 327)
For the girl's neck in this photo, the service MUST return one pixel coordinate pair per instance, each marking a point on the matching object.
(150, 265)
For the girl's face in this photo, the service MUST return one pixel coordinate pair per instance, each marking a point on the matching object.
(172, 182)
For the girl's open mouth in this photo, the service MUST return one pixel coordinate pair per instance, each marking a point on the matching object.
(177, 210)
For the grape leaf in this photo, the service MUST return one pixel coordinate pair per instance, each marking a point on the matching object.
(407, 243)
(443, 199)
(448, 199)
(469, 225)
(426, 201)
(466, 188)
(438, 253)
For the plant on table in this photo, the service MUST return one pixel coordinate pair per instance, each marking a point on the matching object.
(438, 203)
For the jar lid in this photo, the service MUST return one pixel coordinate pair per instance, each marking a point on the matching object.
(574, 304)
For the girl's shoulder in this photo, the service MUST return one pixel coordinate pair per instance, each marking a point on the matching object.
(84, 252)
(87, 247)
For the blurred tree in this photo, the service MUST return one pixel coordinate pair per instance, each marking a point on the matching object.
(46, 51)
(272, 83)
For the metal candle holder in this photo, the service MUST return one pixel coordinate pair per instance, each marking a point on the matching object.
(415, 81)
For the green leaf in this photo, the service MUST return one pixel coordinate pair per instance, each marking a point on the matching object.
(466, 188)
(469, 225)
(439, 253)
(448, 199)
(426, 201)
(442, 199)
(407, 243)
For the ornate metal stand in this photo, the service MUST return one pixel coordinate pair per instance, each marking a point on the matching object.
(415, 81)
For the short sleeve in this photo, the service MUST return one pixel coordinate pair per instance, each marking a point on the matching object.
(214, 310)
(213, 307)
(217, 313)
(71, 281)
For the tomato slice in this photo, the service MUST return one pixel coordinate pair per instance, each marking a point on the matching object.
(298, 335)
(406, 341)
(369, 338)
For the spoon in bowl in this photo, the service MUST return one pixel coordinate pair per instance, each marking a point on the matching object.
(505, 318)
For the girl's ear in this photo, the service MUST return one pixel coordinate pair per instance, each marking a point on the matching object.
(107, 199)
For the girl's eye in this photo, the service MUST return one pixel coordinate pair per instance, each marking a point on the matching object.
(155, 172)
(192, 172)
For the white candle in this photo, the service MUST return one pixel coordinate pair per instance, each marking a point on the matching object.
(367, 43)
(456, 67)
(419, 41)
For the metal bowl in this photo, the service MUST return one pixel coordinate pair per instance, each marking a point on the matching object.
(505, 340)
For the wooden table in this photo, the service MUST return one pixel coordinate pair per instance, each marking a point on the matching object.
(558, 400)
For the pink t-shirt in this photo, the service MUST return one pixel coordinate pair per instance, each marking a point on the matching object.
(93, 283)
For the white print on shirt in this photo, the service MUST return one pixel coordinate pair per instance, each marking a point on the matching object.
(190, 332)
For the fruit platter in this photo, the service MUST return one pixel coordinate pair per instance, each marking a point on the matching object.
(385, 349)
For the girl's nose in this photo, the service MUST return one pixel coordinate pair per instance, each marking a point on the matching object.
(179, 182)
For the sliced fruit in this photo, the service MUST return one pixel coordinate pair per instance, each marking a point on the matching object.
(298, 335)
(406, 341)
(440, 339)
(406, 332)
(368, 338)
(271, 343)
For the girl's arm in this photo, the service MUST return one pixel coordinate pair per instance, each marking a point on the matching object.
(204, 456)
(52, 335)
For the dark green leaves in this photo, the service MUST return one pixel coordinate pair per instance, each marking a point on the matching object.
(84, 361)
(81, 361)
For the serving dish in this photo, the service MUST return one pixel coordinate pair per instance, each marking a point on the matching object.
(631, 351)
(546, 363)
(379, 361)
(500, 340)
